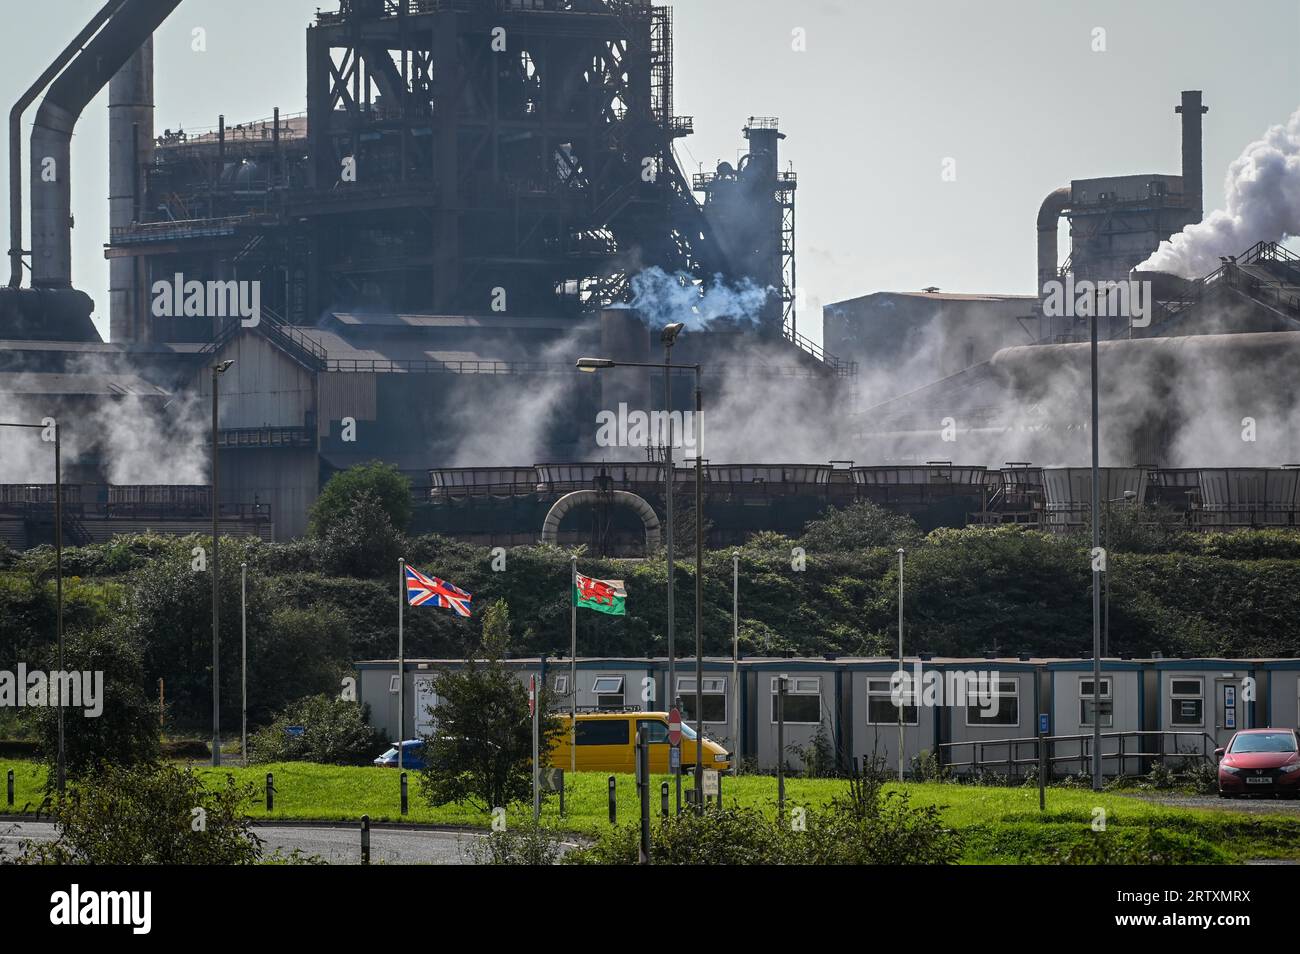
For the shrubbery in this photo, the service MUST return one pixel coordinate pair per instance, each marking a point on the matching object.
(335, 732)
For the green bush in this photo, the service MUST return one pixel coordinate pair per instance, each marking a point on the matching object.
(341, 493)
(522, 843)
(149, 814)
(335, 732)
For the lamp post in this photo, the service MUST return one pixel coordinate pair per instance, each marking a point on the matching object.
(218, 370)
(1096, 572)
(735, 660)
(61, 765)
(669, 337)
(243, 661)
(901, 553)
(599, 364)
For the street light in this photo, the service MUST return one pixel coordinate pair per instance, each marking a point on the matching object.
(668, 336)
(901, 552)
(61, 765)
(217, 370)
(1096, 545)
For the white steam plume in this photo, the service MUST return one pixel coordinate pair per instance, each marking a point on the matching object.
(1263, 199)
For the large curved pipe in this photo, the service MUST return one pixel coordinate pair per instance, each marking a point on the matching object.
(86, 75)
(578, 498)
(1049, 215)
(16, 134)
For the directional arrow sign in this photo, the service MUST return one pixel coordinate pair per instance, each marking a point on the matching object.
(553, 779)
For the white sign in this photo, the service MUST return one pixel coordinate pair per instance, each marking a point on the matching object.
(711, 782)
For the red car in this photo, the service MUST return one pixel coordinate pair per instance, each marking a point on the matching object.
(1260, 762)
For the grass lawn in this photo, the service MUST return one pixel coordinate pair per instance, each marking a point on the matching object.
(999, 825)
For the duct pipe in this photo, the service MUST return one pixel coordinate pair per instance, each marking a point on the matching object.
(1193, 178)
(16, 134)
(127, 28)
(130, 151)
(1049, 215)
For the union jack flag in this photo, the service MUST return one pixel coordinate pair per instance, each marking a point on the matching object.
(424, 590)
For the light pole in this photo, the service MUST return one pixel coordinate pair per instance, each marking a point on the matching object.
(218, 370)
(61, 765)
(735, 660)
(243, 661)
(669, 337)
(599, 364)
(901, 700)
(1096, 572)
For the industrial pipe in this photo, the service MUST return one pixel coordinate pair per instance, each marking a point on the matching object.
(1193, 184)
(16, 132)
(127, 28)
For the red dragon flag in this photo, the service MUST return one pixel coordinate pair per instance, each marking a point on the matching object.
(603, 596)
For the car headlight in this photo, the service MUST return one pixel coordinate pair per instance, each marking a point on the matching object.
(1230, 769)
(1291, 768)
(721, 758)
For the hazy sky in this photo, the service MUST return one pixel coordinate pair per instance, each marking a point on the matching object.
(882, 94)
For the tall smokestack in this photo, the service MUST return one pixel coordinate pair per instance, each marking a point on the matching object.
(1193, 185)
(130, 152)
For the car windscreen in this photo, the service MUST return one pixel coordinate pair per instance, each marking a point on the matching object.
(1264, 742)
(390, 754)
(688, 732)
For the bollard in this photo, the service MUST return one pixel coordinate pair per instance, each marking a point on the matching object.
(663, 799)
(270, 792)
(718, 804)
(403, 793)
(11, 788)
(613, 805)
(365, 839)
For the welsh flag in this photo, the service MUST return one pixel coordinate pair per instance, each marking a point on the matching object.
(603, 596)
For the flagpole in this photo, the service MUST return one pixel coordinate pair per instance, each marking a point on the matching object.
(573, 661)
(401, 660)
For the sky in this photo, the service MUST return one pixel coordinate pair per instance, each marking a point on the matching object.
(874, 98)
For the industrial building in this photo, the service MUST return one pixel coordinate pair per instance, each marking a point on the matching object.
(1168, 710)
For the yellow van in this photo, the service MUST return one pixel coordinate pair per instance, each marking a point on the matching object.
(607, 743)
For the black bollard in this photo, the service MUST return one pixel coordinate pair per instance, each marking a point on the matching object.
(365, 839)
(613, 805)
(270, 792)
(663, 799)
(11, 788)
(403, 793)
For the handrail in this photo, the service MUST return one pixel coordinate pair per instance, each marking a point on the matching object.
(1083, 756)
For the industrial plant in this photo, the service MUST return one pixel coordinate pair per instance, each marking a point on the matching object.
(481, 192)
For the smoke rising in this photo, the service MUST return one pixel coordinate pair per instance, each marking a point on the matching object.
(663, 299)
(1263, 204)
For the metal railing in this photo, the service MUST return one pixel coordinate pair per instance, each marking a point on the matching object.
(1203, 746)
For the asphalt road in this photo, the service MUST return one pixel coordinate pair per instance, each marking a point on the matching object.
(337, 845)
(1261, 806)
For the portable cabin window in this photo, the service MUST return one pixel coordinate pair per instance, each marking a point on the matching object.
(1005, 702)
(561, 685)
(602, 732)
(392, 683)
(803, 700)
(1187, 702)
(880, 705)
(1086, 703)
(609, 692)
(714, 698)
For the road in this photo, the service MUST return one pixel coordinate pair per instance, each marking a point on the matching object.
(1251, 806)
(339, 845)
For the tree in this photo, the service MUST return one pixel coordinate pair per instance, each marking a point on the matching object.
(121, 726)
(481, 751)
(342, 492)
(860, 526)
(361, 542)
(151, 813)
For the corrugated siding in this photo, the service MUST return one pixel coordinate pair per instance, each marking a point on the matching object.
(346, 395)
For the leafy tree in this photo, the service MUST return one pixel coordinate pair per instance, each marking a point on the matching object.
(125, 731)
(362, 541)
(860, 526)
(150, 813)
(335, 732)
(481, 752)
(342, 493)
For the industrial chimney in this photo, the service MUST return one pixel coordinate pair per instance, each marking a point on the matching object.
(1193, 186)
(130, 152)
